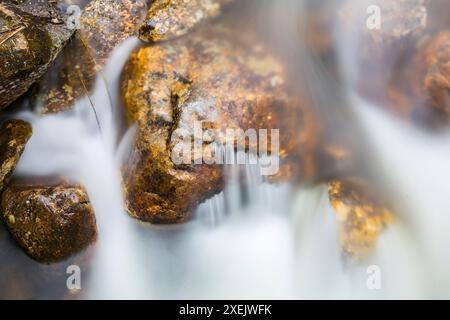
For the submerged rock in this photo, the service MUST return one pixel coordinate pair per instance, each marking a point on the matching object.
(49, 221)
(208, 79)
(167, 19)
(14, 135)
(32, 33)
(361, 217)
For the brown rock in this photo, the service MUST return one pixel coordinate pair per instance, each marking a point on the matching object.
(360, 215)
(14, 135)
(103, 25)
(106, 23)
(32, 34)
(209, 77)
(167, 19)
(50, 222)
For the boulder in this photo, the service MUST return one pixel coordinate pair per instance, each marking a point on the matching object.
(208, 77)
(167, 19)
(31, 35)
(50, 221)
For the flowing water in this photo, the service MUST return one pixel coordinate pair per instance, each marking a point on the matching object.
(253, 240)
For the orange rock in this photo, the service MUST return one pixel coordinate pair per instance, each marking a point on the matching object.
(361, 217)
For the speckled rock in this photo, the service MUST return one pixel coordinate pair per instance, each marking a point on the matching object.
(49, 221)
(167, 19)
(14, 135)
(210, 77)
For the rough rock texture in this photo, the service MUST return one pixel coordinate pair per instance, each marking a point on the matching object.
(167, 19)
(106, 23)
(208, 76)
(14, 135)
(31, 35)
(103, 24)
(360, 216)
(49, 221)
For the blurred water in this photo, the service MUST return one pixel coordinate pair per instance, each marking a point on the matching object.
(253, 240)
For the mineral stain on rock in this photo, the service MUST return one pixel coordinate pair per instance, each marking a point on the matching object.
(14, 135)
(49, 221)
(208, 77)
(31, 35)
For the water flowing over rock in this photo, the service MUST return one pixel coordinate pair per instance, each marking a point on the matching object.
(50, 221)
(168, 19)
(14, 135)
(32, 34)
(203, 78)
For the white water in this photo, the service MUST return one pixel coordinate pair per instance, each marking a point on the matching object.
(276, 243)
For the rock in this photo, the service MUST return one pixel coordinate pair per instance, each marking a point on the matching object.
(103, 25)
(208, 77)
(360, 215)
(14, 135)
(49, 221)
(167, 19)
(31, 35)
(106, 23)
